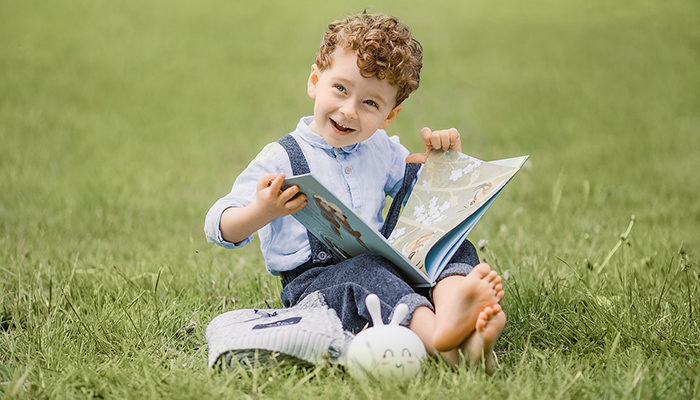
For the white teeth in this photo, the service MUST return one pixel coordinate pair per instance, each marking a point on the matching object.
(339, 125)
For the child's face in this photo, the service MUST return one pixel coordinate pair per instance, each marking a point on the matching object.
(348, 107)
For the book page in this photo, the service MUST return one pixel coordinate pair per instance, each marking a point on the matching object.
(450, 188)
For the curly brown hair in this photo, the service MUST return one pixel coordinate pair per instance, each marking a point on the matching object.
(385, 48)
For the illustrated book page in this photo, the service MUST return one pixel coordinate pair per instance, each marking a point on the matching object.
(452, 192)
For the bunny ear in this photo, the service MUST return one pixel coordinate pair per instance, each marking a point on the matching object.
(374, 309)
(400, 313)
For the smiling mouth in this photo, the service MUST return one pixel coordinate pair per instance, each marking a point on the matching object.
(340, 128)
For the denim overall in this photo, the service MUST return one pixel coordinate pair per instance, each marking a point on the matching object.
(344, 284)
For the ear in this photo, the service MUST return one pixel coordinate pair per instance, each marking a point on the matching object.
(400, 312)
(312, 85)
(392, 114)
(375, 309)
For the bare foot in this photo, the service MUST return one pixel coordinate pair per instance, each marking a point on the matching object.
(479, 345)
(458, 302)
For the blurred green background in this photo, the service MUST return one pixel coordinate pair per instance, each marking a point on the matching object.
(132, 115)
(122, 122)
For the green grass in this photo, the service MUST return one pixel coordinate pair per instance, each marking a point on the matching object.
(121, 122)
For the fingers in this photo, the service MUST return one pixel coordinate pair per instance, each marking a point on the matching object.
(265, 181)
(446, 139)
(436, 140)
(417, 158)
(455, 140)
(288, 193)
(292, 204)
(276, 183)
(426, 133)
(295, 204)
(276, 201)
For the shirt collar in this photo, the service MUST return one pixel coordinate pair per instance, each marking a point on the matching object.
(315, 140)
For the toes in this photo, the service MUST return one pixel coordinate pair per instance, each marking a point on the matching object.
(492, 311)
(498, 288)
(481, 321)
(486, 315)
(492, 276)
(500, 295)
(482, 269)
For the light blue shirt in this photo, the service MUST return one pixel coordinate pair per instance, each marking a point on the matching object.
(360, 175)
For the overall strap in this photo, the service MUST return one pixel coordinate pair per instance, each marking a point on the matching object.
(296, 156)
(392, 216)
(320, 254)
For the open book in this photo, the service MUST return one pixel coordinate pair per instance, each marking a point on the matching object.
(451, 194)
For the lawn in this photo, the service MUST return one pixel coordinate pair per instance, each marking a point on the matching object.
(122, 122)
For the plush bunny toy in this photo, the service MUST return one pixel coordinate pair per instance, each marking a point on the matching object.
(385, 350)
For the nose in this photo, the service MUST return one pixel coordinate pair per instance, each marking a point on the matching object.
(349, 109)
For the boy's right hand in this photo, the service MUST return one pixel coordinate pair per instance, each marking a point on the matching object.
(274, 202)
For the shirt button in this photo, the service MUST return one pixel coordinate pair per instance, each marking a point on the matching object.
(322, 255)
(348, 170)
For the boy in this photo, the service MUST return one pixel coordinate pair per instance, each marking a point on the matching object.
(366, 66)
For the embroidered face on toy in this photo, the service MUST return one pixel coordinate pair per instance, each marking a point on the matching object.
(385, 350)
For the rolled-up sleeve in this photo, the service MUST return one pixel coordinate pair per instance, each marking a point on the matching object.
(212, 225)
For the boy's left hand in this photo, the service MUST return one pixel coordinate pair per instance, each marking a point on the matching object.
(446, 139)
